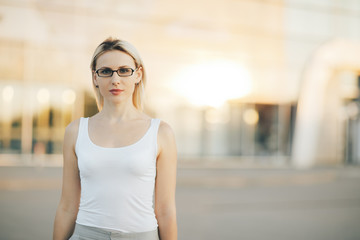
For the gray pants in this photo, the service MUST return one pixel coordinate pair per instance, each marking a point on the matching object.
(82, 232)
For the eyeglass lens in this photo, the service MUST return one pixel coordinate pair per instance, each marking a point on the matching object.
(108, 72)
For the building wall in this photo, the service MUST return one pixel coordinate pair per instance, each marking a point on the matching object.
(48, 44)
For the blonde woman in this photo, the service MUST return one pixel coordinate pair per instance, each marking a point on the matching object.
(119, 171)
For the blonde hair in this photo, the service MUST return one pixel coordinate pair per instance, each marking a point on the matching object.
(111, 44)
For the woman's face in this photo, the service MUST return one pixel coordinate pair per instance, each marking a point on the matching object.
(115, 88)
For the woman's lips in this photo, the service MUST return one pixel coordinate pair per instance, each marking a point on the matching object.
(116, 91)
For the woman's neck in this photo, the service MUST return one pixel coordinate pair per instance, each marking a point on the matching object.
(119, 112)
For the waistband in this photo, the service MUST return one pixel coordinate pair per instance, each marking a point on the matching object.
(100, 233)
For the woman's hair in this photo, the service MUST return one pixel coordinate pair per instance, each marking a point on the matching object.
(111, 44)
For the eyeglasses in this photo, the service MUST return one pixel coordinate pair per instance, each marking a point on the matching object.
(122, 72)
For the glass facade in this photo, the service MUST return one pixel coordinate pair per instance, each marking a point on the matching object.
(228, 82)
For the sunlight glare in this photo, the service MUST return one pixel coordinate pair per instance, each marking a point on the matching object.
(251, 116)
(213, 83)
(69, 96)
(8, 93)
(43, 95)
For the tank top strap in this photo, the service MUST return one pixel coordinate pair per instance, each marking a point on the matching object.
(155, 123)
(83, 127)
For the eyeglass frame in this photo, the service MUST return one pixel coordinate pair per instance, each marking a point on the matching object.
(132, 72)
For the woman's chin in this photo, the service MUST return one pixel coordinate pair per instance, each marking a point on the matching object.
(118, 100)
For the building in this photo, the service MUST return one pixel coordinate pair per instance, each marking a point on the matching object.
(228, 76)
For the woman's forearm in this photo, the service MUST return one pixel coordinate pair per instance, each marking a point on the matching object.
(167, 227)
(64, 224)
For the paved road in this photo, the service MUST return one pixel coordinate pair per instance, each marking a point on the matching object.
(226, 203)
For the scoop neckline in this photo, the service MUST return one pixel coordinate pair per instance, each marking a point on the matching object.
(126, 146)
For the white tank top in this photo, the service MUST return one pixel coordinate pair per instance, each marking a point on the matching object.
(117, 184)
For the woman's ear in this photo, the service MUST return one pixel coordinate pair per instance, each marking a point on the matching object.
(139, 74)
(94, 78)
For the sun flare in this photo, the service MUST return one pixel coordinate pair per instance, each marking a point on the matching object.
(213, 83)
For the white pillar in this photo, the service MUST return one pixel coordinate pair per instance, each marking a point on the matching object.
(338, 54)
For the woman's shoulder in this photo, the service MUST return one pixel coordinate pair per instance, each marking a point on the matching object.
(72, 128)
(165, 130)
(166, 139)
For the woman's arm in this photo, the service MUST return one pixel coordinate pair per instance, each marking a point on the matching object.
(69, 203)
(165, 184)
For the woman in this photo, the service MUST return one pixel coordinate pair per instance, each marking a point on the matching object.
(118, 160)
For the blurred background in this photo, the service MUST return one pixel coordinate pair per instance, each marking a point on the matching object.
(276, 79)
(259, 93)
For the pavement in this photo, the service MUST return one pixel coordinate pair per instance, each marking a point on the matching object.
(215, 200)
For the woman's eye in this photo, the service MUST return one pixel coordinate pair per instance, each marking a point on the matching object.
(105, 71)
(124, 70)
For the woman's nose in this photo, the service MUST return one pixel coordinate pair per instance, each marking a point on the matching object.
(115, 79)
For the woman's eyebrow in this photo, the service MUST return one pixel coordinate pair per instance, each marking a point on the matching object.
(122, 66)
